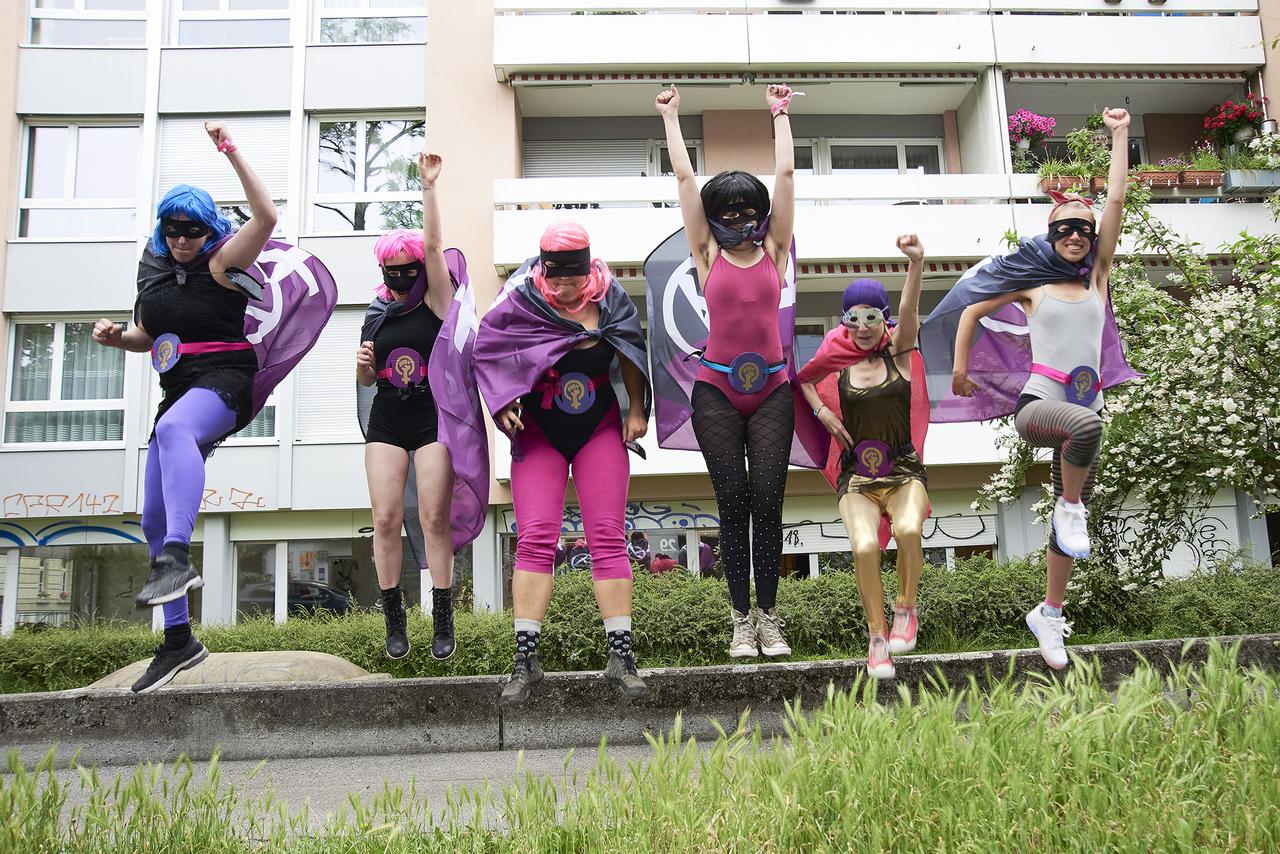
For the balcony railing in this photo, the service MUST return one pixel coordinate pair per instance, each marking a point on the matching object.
(864, 7)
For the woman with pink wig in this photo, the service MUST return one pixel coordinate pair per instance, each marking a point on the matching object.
(413, 301)
(561, 362)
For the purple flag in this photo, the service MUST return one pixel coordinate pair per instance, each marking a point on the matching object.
(459, 422)
(521, 337)
(298, 296)
(678, 327)
(1000, 359)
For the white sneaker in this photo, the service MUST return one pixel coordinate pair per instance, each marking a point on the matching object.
(879, 664)
(1051, 632)
(769, 634)
(743, 644)
(1070, 528)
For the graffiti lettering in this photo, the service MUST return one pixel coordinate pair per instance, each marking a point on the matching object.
(233, 498)
(39, 504)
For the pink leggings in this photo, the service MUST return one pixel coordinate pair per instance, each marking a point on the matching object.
(601, 472)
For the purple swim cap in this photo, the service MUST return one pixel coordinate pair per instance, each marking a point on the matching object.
(866, 292)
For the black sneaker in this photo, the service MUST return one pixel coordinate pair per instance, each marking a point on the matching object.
(397, 637)
(621, 673)
(168, 663)
(442, 642)
(169, 579)
(526, 671)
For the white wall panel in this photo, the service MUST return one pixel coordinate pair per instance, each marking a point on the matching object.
(365, 77)
(81, 81)
(1099, 42)
(104, 276)
(351, 261)
(684, 42)
(331, 476)
(38, 484)
(211, 80)
(915, 42)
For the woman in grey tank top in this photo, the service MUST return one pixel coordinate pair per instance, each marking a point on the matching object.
(1061, 400)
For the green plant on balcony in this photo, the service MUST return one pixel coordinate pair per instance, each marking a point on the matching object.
(1267, 149)
(1088, 147)
(1204, 169)
(1062, 175)
(1164, 173)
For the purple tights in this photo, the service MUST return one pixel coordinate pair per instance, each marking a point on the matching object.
(174, 482)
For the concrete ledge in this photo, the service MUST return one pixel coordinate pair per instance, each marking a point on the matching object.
(460, 713)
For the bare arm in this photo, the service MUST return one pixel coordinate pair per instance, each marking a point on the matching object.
(112, 334)
(831, 420)
(907, 332)
(965, 333)
(782, 213)
(701, 242)
(1117, 185)
(245, 245)
(366, 372)
(439, 288)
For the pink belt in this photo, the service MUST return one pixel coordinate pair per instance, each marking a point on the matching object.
(197, 347)
(1055, 374)
(417, 374)
(168, 348)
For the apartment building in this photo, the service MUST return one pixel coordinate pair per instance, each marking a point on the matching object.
(542, 111)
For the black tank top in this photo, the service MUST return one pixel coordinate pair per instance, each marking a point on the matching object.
(416, 329)
(566, 431)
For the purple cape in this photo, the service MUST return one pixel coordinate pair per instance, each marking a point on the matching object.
(460, 425)
(1000, 360)
(521, 337)
(678, 326)
(291, 296)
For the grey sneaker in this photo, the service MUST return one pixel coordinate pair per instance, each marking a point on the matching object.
(526, 671)
(621, 673)
(743, 644)
(769, 634)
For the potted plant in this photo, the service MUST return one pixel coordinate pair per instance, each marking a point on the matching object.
(1204, 170)
(1062, 176)
(1166, 173)
(1255, 171)
(1028, 130)
(1088, 147)
(1234, 121)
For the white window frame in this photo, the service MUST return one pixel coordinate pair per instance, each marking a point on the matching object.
(822, 150)
(68, 201)
(224, 12)
(315, 197)
(55, 403)
(657, 146)
(78, 12)
(366, 9)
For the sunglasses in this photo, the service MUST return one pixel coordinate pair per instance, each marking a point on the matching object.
(864, 316)
(189, 228)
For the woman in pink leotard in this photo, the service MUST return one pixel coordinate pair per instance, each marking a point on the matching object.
(743, 411)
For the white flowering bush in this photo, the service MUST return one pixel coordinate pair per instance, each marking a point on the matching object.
(1267, 147)
(1206, 415)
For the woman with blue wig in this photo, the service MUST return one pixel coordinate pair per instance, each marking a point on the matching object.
(190, 314)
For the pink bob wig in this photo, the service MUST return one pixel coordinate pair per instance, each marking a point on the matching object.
(563, 237)
(392, 244)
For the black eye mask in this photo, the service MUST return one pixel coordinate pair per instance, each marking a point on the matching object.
(188, 228)
(401, 277)
(1063, 228)
(571, 262)
(747, 212)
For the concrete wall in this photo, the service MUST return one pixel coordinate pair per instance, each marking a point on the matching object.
(1269, 13)
(983, 143)
(12, 22)
(738, 139)
(1170, 134)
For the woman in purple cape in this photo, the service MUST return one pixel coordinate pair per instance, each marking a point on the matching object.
(1069, 320)
(546, 356)
(396, 342)
(742, 401)
(190, 314)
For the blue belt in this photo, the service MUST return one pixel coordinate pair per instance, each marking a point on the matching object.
(725, 369)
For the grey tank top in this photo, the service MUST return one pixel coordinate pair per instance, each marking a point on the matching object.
(1064, 336)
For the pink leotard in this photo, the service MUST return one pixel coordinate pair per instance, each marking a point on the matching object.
(742, 306)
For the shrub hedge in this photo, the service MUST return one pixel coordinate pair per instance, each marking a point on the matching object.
(683, 620)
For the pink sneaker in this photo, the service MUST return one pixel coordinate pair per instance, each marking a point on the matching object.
(879, 664)
(902, 637)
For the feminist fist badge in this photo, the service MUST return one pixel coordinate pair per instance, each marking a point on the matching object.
(577, 393)
(165, 352)
(1083, 385)
(747, 373)
(871, 458)
(405, 364)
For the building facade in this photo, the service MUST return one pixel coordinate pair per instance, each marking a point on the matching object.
(542, 111)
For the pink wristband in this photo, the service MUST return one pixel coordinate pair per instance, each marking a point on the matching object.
(226, 146)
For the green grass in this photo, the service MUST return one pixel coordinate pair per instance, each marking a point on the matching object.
(681, 620)
(1181, 763)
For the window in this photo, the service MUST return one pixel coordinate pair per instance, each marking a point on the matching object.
(325, 378)
(366, 174)
(370, 21)
(884, 158)
(263, 425)
(660, 158)
(79, 181)
(62, 386)
(187, 157)
(89, 23)
(230, 22)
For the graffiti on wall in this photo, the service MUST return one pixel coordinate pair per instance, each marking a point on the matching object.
(20, 535)
(956, 527)
(232, 499)
(35, 505)
(641, 515)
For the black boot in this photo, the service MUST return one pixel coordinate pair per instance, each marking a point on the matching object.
(526, 671)
(172, 575)
(442, 642)
(621, 673)
(393, 613)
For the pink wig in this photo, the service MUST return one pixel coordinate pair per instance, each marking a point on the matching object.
(562, 237)
(390, 245)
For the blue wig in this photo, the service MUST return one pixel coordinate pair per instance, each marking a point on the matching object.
(196, 204)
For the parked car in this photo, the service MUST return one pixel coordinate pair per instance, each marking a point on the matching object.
(305, 596)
